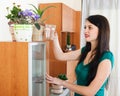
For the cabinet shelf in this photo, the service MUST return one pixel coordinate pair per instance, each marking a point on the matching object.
(38, 79)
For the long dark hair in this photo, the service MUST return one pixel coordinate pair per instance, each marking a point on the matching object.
(103, 44)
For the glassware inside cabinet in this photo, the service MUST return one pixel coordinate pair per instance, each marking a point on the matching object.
(38, 69)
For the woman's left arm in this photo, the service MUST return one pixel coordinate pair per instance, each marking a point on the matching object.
(103, 71)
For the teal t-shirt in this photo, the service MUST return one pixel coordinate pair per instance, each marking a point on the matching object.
(82, 73)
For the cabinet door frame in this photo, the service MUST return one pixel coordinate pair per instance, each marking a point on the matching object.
(30, 57)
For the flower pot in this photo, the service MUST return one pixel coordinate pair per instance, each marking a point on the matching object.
(57, 89)
(23, 32)
(55, 86)
(11, 29)
(38, 34)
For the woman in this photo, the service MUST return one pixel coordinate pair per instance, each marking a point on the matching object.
(95, 59)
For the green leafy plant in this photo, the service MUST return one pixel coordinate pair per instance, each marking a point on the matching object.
(13, 14)
(40, 12)
(62, 77)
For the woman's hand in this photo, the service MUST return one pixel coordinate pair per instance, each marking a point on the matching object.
(53, 80)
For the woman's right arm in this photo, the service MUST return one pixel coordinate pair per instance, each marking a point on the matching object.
(60, 55)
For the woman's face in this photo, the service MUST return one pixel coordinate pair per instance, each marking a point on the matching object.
(90, 32)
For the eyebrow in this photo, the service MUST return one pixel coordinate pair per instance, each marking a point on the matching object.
(88, 25)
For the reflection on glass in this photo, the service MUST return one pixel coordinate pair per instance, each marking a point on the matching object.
(38, 70)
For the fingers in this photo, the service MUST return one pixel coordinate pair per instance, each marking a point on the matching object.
(55, 34)
(53, 80)
(49, 78)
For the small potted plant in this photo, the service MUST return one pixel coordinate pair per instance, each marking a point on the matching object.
(58, 89)
(21, 22)
(40, 22)
(62, 77)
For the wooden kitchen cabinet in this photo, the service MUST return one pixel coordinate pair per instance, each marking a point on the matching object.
(23, 68)
(66, 19)
(62, 16)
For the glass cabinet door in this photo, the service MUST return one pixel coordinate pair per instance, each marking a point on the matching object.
(37, 69)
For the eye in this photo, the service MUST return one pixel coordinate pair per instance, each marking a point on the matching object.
(90, 27)
(84, 27)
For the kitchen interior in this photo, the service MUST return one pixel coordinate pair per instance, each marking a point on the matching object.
(24, 64)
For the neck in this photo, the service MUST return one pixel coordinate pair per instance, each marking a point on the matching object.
(93, 45)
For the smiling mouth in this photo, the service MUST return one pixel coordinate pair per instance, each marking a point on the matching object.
(86, 36)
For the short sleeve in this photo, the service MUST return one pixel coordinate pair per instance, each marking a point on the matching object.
(108, 55)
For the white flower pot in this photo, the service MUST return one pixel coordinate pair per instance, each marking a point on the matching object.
(57, 89)
(23, 32)
(55, 86)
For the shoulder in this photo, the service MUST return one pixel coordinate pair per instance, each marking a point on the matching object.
(108, 55)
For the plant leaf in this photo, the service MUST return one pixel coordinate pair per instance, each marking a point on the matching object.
(37, 26)
(43, 10)
(36, 11)
(62, 77)
(43, 20)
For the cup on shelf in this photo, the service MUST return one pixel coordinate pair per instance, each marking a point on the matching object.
(49, 31)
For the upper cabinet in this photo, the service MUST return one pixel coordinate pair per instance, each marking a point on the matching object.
(63, 16)
(68, 19)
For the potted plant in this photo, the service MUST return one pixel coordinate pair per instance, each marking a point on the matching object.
(25, 17)
(58, 89)
(62, 77)
(38, 31)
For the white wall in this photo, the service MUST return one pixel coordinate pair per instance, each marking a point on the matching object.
(75, 4)
(4, 28)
